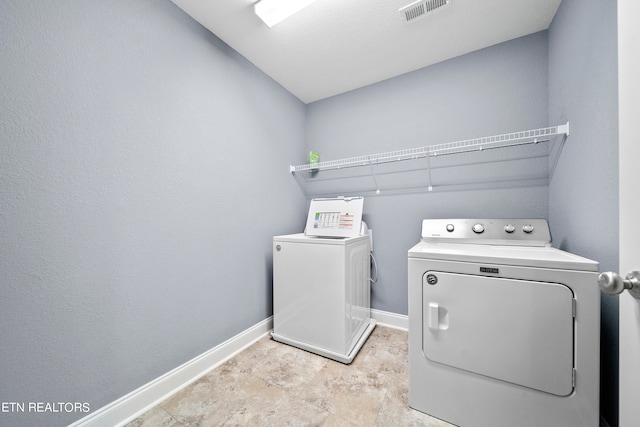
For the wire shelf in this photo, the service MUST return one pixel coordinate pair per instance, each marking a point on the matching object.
(309, 176)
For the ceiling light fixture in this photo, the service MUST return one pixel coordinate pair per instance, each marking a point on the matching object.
(274, 11)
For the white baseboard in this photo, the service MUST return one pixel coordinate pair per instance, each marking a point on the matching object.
(134, 404)
(391, 320)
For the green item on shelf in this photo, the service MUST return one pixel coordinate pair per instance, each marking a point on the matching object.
(314, 159)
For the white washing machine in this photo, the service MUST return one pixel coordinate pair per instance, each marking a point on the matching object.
(321, 285)
(504, 330)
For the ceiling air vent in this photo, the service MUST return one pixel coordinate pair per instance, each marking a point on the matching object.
(421, 8)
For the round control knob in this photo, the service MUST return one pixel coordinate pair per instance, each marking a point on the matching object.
(527, 228)
(509, 228)
(450, 228)
(478, 228)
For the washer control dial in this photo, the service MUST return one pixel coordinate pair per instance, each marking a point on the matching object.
(509, 228)
(478, 228)
(527, 228)
(450, 228)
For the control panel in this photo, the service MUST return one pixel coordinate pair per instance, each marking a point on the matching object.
(335, 217)
(523, 232)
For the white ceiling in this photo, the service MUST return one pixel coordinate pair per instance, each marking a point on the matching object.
(334, 46)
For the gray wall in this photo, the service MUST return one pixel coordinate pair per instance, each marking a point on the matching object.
(143, 172)
(583, 196)
(131, 141)
(493, 91)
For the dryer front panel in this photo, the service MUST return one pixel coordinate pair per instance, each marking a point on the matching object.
(518, 331)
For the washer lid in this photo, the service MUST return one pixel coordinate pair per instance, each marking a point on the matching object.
(314, 240)
(525, 256)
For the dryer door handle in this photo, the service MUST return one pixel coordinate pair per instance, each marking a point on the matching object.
(437, 317)
(433, 315)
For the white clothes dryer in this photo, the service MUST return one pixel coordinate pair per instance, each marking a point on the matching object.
(504, 330)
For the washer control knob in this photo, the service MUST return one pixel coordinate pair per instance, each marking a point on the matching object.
(450, 228)
(527, 228)
(478, 228)
(509, 228)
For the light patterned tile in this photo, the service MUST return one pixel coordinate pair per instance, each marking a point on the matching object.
(382, 334)
(282, 365)
(274, 384)
(391, 363)
(288, 411)
(353, 393)
(358, 408)
(156, 417)
(335, 421)
(214, 398)
(258, 354)
(394, 413)
(259, 405)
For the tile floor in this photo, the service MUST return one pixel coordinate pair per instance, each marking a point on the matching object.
(273, 384)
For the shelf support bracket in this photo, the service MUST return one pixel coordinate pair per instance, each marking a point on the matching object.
(564, 129)
(429, 186)
(373, 175)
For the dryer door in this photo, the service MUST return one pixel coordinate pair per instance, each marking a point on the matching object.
(517, 331)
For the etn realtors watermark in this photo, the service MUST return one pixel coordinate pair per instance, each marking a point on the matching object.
(44, 407)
